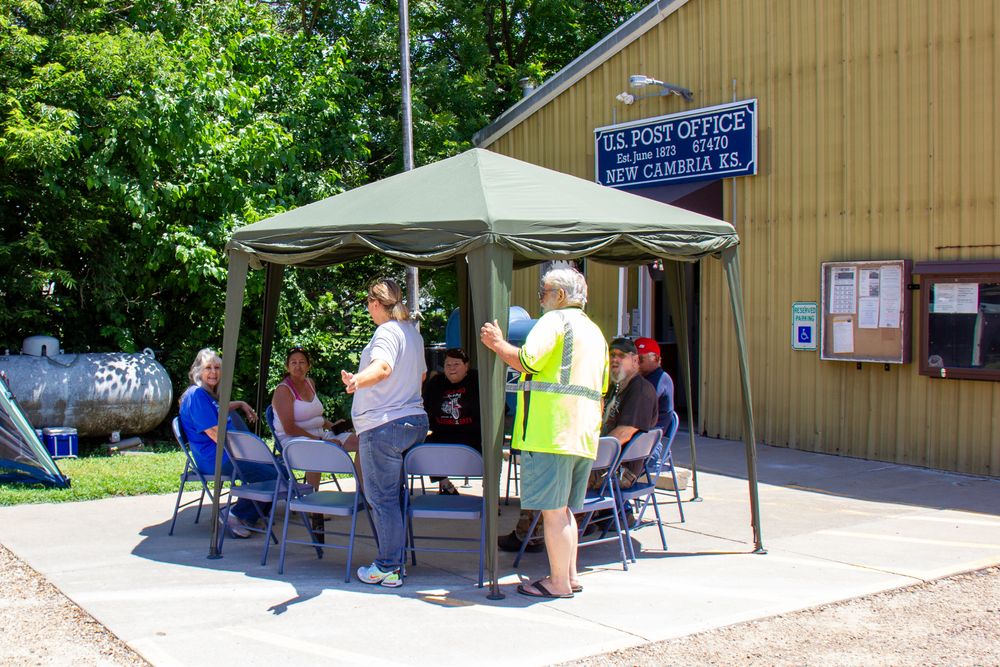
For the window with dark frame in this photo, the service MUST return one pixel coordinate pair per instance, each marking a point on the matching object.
(960, 319)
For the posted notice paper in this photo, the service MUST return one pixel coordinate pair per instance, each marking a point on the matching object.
(891, 294)
(967, 298)
(868, 312)
(843, 336)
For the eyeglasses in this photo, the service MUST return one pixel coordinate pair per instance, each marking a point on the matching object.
(543, 292)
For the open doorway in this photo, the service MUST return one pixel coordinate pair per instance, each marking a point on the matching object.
(704, 198)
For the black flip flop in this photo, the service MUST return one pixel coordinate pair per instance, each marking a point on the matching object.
(542, 592)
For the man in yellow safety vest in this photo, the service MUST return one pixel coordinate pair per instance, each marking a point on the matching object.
(564, 374)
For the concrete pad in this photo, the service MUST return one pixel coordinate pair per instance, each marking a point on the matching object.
(834, 528)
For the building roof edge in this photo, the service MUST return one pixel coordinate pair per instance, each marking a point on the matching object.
(593, 57)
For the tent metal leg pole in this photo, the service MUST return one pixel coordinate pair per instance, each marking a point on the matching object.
(272, 297)
(239, 263)
(677, 298)
(490, 277)
(731, 262)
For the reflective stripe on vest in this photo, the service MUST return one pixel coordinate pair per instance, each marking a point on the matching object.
(555, 388)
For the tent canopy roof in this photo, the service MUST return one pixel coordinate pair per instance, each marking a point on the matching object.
(432, 215)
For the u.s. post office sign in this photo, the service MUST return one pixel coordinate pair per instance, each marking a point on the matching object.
(703, 144)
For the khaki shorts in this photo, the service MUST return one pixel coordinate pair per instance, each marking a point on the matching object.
(553, 481)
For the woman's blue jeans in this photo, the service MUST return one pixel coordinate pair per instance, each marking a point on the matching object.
(382, 450)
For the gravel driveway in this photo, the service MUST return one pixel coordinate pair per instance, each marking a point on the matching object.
(953, 621)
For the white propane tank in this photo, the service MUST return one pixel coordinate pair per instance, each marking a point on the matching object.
(95, 393)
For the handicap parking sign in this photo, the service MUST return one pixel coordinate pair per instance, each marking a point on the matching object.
(804, 317)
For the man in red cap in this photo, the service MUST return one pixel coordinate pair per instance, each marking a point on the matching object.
(650, 367)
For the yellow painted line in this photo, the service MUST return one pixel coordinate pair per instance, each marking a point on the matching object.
(908, 540)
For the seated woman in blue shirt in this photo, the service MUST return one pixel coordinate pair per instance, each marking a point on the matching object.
(199, 416)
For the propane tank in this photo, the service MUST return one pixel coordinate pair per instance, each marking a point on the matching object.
(95, 393)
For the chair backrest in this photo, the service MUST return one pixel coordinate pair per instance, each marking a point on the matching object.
(311, 455)
(641, 446)
(608, 450)
(269, 418)
(655, 466)
(243, 446)
(448, 460)
(182, 440)
(179, 434)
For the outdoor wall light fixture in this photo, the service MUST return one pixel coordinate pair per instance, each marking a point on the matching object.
(642, 81)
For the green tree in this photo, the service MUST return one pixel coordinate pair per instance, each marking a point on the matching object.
(133, 142)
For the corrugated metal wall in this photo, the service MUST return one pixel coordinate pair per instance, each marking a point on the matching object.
(877, 141)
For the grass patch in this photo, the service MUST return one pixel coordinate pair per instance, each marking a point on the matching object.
(94, 477)
(155, 469)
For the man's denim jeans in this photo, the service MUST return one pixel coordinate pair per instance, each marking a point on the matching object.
(382, 450)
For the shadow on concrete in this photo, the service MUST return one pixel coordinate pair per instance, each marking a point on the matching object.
(441, 579)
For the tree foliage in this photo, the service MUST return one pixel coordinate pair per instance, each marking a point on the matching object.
(135, 136)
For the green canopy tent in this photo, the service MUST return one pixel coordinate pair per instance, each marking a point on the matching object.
(488, 214)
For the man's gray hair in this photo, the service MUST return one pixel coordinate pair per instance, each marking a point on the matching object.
(570, 281)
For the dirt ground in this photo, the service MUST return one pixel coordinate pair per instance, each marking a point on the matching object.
(953, 621)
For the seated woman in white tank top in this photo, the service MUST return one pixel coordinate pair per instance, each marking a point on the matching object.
(297, 409)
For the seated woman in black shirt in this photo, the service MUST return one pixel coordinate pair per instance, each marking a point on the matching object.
(451, 400)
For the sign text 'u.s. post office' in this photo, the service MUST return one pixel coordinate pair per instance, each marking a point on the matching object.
(703, 144)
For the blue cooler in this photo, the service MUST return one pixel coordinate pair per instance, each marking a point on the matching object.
(61, 442)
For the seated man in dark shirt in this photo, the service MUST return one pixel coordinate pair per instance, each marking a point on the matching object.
(451, 400)
(630, 407)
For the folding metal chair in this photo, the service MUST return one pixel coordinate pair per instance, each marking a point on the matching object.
(664, 462)
(278, 445)
(244, 448)
(641, 448)
(604, 498)
(445, 460)
(307, 455)
(190, 474)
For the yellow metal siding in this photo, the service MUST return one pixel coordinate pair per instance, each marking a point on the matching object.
(877, 141)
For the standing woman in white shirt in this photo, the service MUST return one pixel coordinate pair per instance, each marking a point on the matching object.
(389, 418)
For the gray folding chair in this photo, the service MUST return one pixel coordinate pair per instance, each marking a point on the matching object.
(190, 474)
(662, 463)
(244, 448)
(307, 455)
(445, 460)
(278, 445)
(603, 498)
(640, 449)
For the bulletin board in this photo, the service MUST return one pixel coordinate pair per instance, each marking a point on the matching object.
(865, 311)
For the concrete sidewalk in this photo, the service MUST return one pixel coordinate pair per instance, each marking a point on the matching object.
(834, 528)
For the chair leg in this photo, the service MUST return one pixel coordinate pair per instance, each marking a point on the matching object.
(482, 542)
(527, 539)
(350, 545)
(201, 501)
(284, 542)
(510, 466)
(677, 490)
(659, 521)
(177, 506)
(621, 541)
(270, 529)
